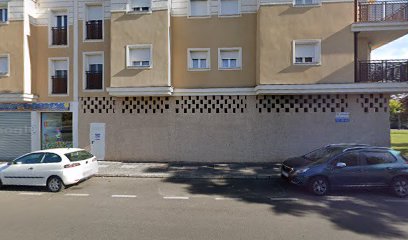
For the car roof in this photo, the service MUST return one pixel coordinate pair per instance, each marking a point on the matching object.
(59, 150)
(368, 148)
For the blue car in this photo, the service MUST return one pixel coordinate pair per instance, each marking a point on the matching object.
(348, 165)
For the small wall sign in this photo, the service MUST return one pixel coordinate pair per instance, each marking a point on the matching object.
(342, 117)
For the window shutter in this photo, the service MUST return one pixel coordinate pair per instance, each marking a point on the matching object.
(199, 7)
(95, 59)
(229, 7)
(139, 54)
(305, 50)
(229, 54)
(95, 13)
(60, 65)
(140, 3)
(199, 55)
(3, 64)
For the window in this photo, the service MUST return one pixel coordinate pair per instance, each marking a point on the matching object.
(32, 158)
(59, 29)
(306, 3)
(139, 56)
(3, 14)
(79, 156)
(4, 65)
(350, 159)
(141, 6)
(56, 130)
(51, 158)
(306, 52)
(198, 59)
(93, 71)
(229, 58)
(373, 158)
(199, 8)
(94, 22)
(59, 76)
(229, 7)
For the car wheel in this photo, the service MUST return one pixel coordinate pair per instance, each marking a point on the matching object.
(319, 186)
(54, 184)
(400, 186)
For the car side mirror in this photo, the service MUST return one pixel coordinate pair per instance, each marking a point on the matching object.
(341, 165)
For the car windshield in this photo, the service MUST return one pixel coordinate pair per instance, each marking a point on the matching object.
(323, 154)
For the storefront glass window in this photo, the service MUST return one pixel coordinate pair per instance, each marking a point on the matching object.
(56, 130)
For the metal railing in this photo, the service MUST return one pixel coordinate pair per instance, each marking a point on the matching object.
(383, 71)
(59, 84)
(382, 11)
(59, 36)
(94, 29)
(94, 80)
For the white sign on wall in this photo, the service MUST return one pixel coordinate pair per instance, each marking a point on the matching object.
(342, 117)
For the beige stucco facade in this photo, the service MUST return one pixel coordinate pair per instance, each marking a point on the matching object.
(11, 43)
(279, 25)
(213, 33)
(133, 29)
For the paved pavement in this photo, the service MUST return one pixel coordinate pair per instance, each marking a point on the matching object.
(186, 170)
(170, 208)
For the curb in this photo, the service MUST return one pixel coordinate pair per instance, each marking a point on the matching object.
(260, 177)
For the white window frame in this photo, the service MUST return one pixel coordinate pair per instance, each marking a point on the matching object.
(189, 60)
(5, 6)
(318, 51)
(203, 16)
(50, 73)
(129, 8)
(140, 46)
(229, 15)
(8, 65)
(317, 3)
(84, 69)
(86, 5)
(239, 60)
(51, 15)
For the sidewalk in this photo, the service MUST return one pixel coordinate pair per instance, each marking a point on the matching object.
(190, 170)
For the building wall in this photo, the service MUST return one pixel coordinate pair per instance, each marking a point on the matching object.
(213, 33)
(132, 29)
(279, 25)
(12, 43)
(243, 129)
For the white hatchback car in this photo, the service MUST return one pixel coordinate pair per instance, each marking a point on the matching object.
(53, 168)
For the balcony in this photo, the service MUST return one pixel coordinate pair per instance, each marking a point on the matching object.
(94, 30)
(382, 11)
(385, 71)
(59, 35)
(94, 80)
(59, 84)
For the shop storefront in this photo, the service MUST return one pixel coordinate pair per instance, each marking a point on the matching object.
(56, 130)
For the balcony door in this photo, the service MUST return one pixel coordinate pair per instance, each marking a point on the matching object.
(60, 29)
(94, 71)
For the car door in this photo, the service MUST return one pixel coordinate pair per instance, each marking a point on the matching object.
(378, 167)
(50, 165)
(21, 170)
(349, 175)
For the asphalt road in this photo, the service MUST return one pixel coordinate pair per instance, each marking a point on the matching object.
(126, 208)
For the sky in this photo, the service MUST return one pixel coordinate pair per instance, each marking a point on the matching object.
(397, 49)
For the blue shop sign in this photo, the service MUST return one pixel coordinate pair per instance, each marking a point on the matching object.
(60, 107)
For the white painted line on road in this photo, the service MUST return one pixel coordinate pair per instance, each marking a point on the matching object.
(223, 198)
(31, 193)
(176, 198)
(77, 194)
(283, 199)
(124, 196)
(129, 166)
(103, 166)
(397, 200)
(338, 198)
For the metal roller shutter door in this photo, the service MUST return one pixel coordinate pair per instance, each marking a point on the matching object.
(15, 134)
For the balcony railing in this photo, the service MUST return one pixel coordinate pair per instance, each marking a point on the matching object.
(382, 11)
(93, 80)
(383, 71)
(59, 84)
(59, 36)
(94, 29)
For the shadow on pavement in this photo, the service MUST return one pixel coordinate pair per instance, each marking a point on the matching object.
(363, 212)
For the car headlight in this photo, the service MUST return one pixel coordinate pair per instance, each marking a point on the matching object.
(300, 171)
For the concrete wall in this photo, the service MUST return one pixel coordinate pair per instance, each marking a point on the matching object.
(279, 25)
(256, 132)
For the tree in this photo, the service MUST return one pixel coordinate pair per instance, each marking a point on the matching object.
(396, 108)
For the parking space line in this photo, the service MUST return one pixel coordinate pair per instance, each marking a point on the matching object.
(225, 198)
(283, 199)
(77, 194)
(103, 166)
(31, 193)
(124, 196)
(176, 198)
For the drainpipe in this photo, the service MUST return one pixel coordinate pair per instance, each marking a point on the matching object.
(75, 99)
(356, 56)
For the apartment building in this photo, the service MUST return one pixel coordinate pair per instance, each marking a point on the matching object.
(196, 80)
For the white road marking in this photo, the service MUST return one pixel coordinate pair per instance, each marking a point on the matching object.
(103, 166)
(176, 198)
(124, 196)
(31, 193)
(283, 199)
(129, 166)
(225, 198)
(338, 198)
(397, 200)
(77, 194)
